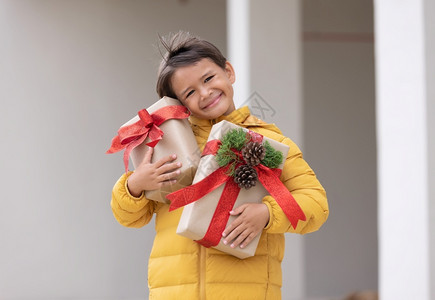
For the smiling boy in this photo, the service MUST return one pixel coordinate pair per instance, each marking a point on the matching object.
(195, 72)
(206, 89)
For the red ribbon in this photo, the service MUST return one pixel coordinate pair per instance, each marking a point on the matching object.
(211, 147)
(131, 136)
(221, 214)
(269, 178)
(226, 202)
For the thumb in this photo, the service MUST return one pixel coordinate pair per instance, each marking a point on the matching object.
(238, 210)
(148, 155)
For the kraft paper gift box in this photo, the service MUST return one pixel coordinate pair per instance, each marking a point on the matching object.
(196, 216)
(177, 138)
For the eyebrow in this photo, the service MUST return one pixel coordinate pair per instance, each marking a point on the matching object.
(203, 76)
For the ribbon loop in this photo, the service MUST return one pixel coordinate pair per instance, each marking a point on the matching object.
(255, 137)
(211, 148)
(145, 117)
(132, 135)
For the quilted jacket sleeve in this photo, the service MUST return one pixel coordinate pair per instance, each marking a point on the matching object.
(301, 181)
(128, 210)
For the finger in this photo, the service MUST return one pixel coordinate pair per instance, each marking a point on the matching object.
(168, 167)
(168, 176)
(232, 235)
(168, 182)
(238, 210)
(164, 160)
(148, 155)
(234, 224)
(248, 240)
(240, 238)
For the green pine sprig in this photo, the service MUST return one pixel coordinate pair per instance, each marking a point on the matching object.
(237, 139)
(273, 158)
(224, 155)
(233, 139)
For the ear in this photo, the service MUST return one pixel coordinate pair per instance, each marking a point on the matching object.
(229, 70)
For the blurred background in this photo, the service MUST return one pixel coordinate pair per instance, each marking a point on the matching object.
(72, 72)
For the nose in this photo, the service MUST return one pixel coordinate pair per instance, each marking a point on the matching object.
(204, 92)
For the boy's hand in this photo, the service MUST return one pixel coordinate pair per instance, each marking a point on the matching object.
(252, 219)
(151, 176)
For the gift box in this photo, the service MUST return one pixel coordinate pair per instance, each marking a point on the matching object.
(215, 192)
(165, 127)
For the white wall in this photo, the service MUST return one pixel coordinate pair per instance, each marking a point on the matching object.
(340, 144)
(70, 73)
(405, 114)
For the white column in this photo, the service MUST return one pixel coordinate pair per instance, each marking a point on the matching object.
(429, 21)
(264, 46)
(238, 46)
(403, 139)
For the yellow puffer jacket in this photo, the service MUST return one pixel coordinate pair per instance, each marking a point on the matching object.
(180, 268)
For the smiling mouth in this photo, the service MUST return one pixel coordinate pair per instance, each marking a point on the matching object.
(213, 102)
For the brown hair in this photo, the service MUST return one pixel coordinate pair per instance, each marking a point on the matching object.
(183, 49)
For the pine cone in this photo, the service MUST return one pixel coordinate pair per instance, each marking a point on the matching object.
(245, 176)
(253, 153)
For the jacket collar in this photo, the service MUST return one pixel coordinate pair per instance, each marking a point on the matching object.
(238, 116)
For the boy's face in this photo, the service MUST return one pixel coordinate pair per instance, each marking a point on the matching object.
(205, 88)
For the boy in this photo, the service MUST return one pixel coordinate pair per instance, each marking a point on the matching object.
(196, 73)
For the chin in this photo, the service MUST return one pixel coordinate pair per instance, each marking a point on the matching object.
(212, 116)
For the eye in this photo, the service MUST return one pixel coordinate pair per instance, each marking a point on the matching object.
(208, 78)
(189, 93)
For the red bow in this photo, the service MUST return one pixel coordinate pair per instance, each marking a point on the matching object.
(269, 178)
(131, 136)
